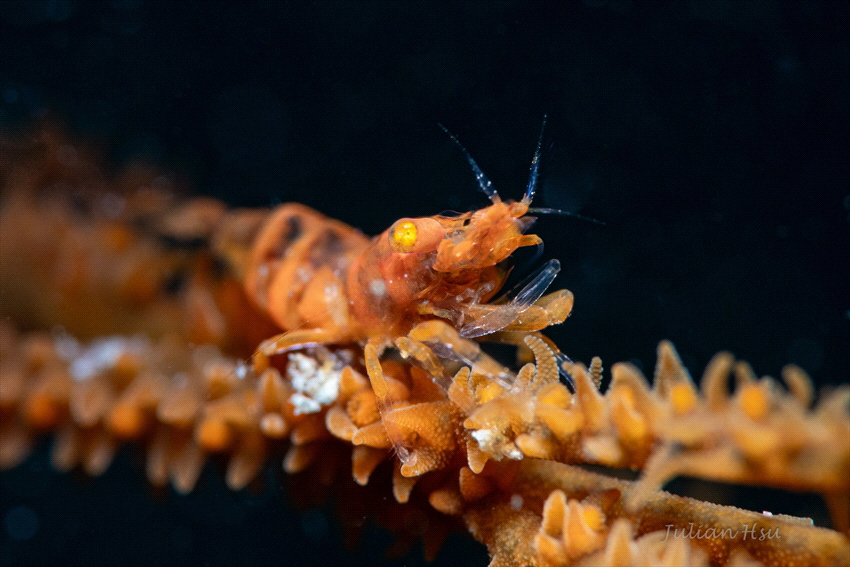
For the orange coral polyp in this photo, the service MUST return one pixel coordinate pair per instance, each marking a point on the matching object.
(214, 435)
(42, 412)
(683, 397)
(753, 400)
(127, 421)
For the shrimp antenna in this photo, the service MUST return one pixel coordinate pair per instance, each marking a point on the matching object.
(535, 167)
(483, 182)
(532, 185)
(545, 211)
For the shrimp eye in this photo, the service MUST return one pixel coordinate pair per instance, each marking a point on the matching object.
(404, 234)
(415, 235)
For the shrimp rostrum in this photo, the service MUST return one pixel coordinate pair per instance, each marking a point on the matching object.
(425, 286)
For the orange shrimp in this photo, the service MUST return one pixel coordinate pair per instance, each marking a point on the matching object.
(423, 286)
(324, 282)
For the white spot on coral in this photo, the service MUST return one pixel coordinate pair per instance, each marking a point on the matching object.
(315, 383)
(513, 452)
(485, 438)
(67, 347)
(102, 355)
(494, 442)
(304, 404)
(516, 502)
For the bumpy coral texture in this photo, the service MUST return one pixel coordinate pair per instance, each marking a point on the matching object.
(494, 450)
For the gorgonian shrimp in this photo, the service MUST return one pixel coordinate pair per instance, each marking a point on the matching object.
(424, 286)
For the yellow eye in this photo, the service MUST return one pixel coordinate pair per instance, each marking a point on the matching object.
(415, 236)
(404, 235)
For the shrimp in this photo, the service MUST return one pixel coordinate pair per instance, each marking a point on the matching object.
(424, 286)
(324, 282)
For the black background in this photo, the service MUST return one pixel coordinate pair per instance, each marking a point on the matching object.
(711, 137)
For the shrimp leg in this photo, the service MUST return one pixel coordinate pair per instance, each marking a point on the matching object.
(441, 339)
(528, 311)
(296, 339)
(424, 435)
(550, 309)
